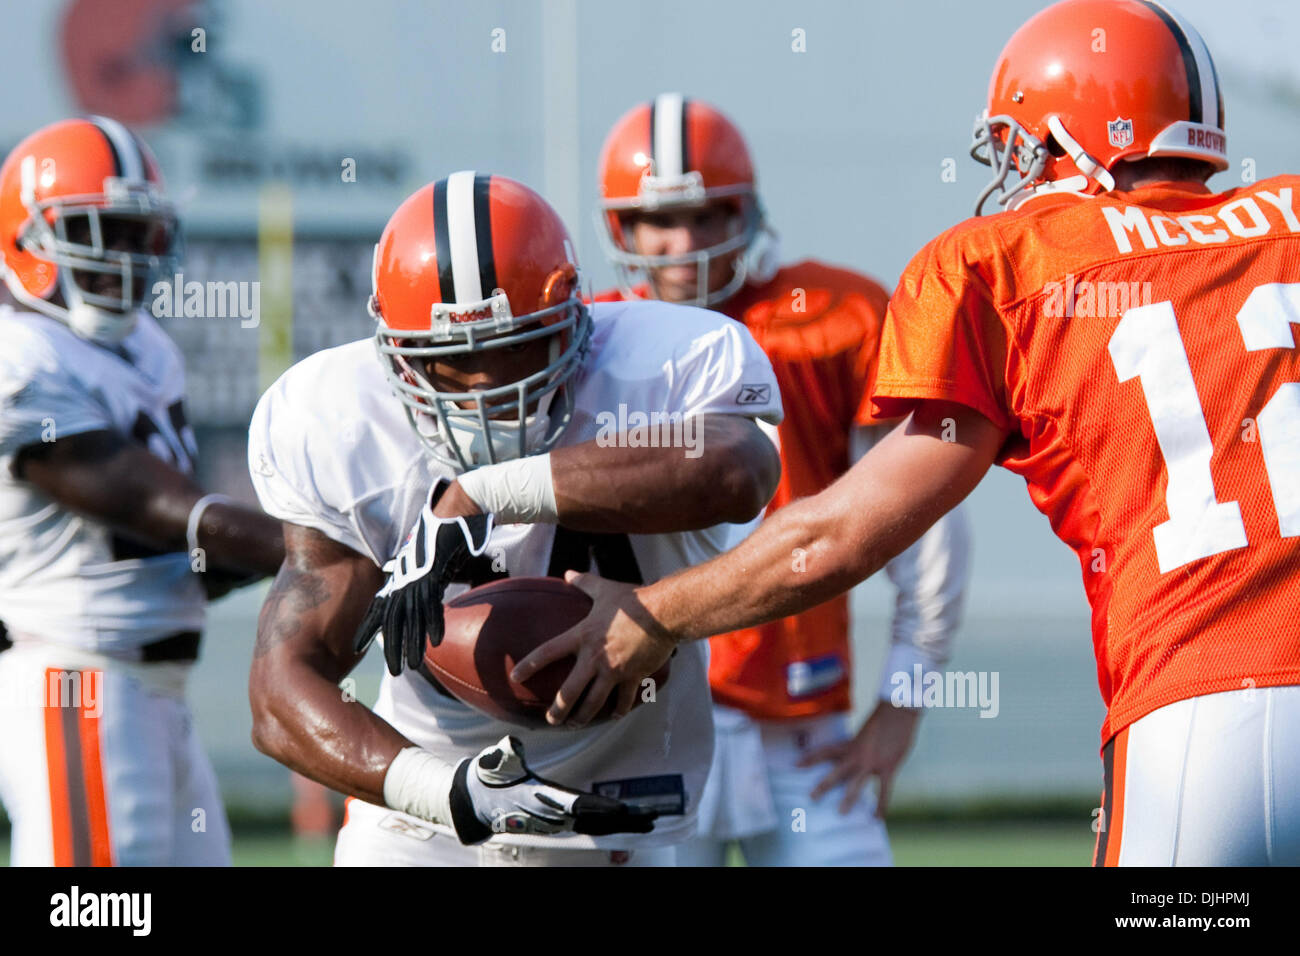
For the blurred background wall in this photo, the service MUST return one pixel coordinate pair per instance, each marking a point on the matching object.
(851, 110)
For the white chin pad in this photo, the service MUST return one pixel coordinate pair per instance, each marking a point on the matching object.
(473, 443)
(100, 325)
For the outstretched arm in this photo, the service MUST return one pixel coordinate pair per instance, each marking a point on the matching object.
(844, 534)
(803, 555)
(930, 576)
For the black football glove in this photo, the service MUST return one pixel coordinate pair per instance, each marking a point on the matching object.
(496, 792)
(408, 608)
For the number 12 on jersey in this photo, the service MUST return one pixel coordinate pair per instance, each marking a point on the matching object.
(1147, 344)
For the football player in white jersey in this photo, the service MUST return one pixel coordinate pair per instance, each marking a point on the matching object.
(499, 426)
(102, 526)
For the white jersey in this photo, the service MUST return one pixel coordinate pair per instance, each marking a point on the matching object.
(66, 579)
(330, 448)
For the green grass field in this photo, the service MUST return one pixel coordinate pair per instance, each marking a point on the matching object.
(992, 844)
(915, 844)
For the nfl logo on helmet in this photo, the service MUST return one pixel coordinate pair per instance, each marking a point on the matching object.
(1120, 132)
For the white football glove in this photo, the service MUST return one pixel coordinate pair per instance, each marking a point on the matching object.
(495, 792)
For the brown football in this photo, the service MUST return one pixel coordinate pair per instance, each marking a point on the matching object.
(491, 628)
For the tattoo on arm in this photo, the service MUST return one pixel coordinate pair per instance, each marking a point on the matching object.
(293, 592)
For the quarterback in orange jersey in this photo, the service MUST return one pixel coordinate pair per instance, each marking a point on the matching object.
(682, 222)
(1124, 339)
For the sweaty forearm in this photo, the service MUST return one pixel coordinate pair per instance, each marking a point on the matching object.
(301, 716)
(728, 474)
(313, 726)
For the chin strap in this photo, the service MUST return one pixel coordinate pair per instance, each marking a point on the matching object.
(1086, 164)
(87, 321)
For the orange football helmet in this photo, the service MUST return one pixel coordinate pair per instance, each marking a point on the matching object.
(473, 263)
(671, 153)
(1087, 83)
(98, 169)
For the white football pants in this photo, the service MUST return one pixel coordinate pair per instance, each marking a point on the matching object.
(1207, 781)
(101, 764)
(757, 796)
(378, 836)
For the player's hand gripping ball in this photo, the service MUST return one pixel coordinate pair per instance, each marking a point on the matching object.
(491, 628)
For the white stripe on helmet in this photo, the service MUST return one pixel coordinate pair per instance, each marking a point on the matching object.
(463, 237)
(668, 136)
(125, 145)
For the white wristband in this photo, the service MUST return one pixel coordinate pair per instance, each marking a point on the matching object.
(196, 516)
(517, 492)
(419, 783)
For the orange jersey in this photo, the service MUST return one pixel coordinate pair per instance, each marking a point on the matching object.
(1139, 347)
(819, 326)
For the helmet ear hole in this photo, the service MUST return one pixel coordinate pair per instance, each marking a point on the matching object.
(1053, 147)
(560, 286)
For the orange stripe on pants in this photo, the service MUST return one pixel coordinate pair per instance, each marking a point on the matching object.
(57, 763)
